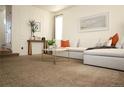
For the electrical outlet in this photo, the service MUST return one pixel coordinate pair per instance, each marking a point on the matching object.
(22, 47)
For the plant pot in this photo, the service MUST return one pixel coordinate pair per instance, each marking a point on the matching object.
(33, 38)
(51, 46)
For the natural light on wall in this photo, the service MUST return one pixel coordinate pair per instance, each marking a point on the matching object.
(58, 27)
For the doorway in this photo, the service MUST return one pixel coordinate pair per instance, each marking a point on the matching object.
(5, 26)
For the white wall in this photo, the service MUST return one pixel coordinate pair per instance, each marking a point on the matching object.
(71, 19)
(21, 29)
(89, 39)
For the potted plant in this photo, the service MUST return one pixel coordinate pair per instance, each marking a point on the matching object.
(51, 43)
(34, 27)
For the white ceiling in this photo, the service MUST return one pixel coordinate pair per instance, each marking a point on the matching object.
(53, 8)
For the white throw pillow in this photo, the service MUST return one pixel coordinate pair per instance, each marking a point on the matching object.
(99, 43)
(77, 43)
(120, 44)
(109, 42)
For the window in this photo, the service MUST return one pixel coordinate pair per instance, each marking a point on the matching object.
(58, 27)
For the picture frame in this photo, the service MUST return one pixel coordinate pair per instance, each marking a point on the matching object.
(98, 22)
(38, 26)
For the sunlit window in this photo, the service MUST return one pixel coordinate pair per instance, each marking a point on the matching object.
(58, 27)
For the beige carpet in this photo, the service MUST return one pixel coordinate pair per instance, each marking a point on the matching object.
(31, 71)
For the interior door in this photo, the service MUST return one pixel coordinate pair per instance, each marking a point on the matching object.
(8, 32)
(2, 25)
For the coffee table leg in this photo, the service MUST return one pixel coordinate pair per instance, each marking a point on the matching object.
(55, 58)
(68, 56)
(42, 56)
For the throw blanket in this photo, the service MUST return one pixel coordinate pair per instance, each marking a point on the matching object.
(102, 47)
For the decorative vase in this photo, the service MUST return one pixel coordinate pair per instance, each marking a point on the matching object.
(50, 46)
(33, 37)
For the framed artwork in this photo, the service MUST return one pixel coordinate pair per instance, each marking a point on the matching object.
(94, 23)
(38, 26)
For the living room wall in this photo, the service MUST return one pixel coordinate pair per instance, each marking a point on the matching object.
(88, 39)
(21, 31)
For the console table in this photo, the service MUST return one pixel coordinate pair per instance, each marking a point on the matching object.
(35, 41)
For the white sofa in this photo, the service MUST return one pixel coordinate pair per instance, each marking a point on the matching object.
(74, 52)
(110, 58)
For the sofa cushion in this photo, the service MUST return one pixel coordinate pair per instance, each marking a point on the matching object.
(65, 43)
(106, 52)
(114, 39)
(76, 49)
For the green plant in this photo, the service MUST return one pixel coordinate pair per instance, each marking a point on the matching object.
(33, 25)
(50, 42)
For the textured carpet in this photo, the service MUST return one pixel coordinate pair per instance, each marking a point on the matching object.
(30, 71)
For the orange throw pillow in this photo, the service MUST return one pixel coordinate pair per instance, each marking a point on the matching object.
(65, 43)
(114, 39)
